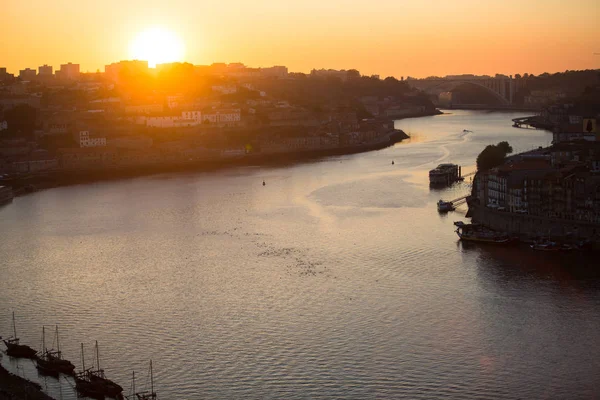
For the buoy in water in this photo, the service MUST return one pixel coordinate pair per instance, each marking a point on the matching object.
(392, 162)
(264, 183)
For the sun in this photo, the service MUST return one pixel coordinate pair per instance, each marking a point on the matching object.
(157, 46)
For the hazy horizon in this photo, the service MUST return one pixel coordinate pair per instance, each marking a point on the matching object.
(387, 39)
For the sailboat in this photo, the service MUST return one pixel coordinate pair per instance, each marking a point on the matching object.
(51, 362)
(83, 383)
(146, 395)
(14, 348)
(97, 377)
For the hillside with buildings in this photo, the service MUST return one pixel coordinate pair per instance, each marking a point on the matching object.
(553, 191)
(135, 117)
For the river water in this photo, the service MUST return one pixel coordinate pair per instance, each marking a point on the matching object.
(338, 279)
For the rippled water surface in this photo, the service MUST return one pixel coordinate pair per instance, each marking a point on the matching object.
(338, 279)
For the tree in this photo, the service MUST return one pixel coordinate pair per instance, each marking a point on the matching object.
(493, 155)
(505, 147)
(352, 74)
(21, 120)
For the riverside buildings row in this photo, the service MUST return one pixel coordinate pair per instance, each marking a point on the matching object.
(549, 191)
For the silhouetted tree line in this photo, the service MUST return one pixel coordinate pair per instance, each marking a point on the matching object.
(316, 93)
(571, 82)
(493, 155)
(21, 121)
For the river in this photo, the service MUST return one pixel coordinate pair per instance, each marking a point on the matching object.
(337, 279)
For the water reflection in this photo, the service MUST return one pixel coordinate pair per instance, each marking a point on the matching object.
(337, 279)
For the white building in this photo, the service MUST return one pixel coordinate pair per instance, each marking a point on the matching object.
(224, 89)
(223, 117)
(193, 115)
(86, 141)
(186, 119)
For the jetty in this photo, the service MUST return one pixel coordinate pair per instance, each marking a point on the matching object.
(532, 122)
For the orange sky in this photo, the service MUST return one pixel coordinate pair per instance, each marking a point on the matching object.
(387, 37)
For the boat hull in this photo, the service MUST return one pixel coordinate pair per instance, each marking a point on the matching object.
(108, 387)
(56, 364)
(19, 350)
(485, 240)
(89, 389)
(43, 370)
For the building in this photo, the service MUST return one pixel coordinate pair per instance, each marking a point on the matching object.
(332, 73)
(5, 75)
(117, 71)
(277, 71)
(185, 119)
(45, 71)
(577, 129)
(85, 140)
(27, 74)
(68, 71)
(224, 89)
(142, 109)
(222, 117)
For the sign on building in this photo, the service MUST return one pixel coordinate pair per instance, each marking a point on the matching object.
(589, 125)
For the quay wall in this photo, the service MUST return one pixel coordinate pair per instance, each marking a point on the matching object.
(528, 226)
(98, 173)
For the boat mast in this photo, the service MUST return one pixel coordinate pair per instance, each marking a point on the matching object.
(82, 358)
(133, 383)
(43, 339)
(14, 325)
(97, 356)
(151, 381)
(57, 342)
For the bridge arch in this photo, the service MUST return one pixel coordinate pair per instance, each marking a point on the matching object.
(449, 85)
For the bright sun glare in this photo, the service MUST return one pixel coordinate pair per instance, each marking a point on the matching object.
(157, 46)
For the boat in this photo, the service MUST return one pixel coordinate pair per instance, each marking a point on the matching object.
(51, 361)
(551, 246)
(14, 348)
(445, 206)
(86, 388)
(146, 395)
(98, 377)
(84, 385)
(444, 174)
(477, 233)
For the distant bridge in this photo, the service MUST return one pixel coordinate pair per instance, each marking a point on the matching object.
(502, 88)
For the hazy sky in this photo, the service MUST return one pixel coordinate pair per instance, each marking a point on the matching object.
(387, 37)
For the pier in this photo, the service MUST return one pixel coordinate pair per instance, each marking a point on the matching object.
(532, 122)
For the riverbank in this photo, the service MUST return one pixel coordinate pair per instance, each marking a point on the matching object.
(13, 387)
(530, 227)
(31, 182)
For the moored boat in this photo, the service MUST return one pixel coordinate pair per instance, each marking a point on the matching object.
(51, 361)
(477, 233)
(444, 174)
(445, 206)
(87, 388)
(551, 246)
(84, 385)
(14, 348)
(145, 395)
(98, 377)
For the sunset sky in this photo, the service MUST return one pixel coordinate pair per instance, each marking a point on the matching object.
(387, 37)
